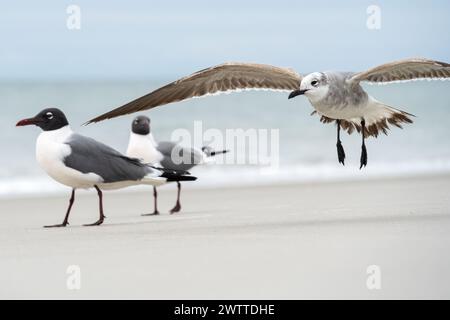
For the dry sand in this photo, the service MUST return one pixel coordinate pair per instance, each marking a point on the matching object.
(278, 242)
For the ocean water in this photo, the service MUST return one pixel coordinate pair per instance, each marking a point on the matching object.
(307, 149)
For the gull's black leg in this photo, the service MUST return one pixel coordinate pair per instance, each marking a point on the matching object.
(363, 147)
(66, 219)
(155, 210)
(340, 148)
(100, 203)
(177, 207)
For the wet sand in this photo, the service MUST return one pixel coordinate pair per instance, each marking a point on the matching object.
(273, 242)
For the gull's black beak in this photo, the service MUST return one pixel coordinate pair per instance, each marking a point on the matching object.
(297, 92)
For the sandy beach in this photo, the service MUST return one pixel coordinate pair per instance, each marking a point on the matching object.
(273, 242)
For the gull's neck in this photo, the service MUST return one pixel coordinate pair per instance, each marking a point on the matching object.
(143, 147)
(58, 135)
(143, 137)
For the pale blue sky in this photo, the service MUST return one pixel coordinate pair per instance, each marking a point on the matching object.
(154, 39)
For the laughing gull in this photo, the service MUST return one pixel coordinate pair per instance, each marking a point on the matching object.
(165, 154)
(81, 162)
(336, 96)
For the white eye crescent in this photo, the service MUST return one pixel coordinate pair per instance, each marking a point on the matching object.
(49, 115)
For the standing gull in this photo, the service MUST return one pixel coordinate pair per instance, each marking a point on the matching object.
(167, 154)
(81, 162)
(336, 96)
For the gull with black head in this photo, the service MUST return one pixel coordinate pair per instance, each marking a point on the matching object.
(83, 163)
(165, 154)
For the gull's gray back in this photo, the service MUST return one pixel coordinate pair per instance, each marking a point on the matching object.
(341, 93)
(89, 155)
(177, 157)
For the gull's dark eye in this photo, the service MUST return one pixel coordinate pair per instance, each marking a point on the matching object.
(49, 115)
(314, 83)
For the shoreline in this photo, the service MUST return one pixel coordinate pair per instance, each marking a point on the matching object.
(246, 184)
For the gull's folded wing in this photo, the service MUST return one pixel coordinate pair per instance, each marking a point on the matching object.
(405, 70)
(178, 157)
(218, 79)
(90, 156)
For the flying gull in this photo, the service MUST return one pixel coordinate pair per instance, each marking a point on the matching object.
(336, 96)
(81, 162)
(165, 154)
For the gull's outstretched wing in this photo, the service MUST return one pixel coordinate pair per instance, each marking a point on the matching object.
(404, 70)
(222, 78)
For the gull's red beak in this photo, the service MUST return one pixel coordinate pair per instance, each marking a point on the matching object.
(27, 122)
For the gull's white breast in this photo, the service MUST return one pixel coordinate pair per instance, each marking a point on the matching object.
(143, 147)
(339, 99)
(347, 112)
(51, 150)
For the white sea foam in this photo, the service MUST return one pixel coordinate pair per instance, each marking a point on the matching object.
(236, 176)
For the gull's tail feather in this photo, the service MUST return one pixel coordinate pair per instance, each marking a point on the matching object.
(210, 152)
(171, 171)
(175, 175)
(377, 120)
(380, 116)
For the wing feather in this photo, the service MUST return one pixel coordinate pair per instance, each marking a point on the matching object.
(405, 70)
(222, 78)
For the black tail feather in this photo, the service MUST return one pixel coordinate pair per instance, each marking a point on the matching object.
(214, 153)
(210, 152)
(173, 171)
(181, 178)
(175, 175)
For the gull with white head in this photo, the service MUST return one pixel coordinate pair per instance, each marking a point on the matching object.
(336, 96)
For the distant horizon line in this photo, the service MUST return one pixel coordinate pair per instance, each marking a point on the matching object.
(116, 79)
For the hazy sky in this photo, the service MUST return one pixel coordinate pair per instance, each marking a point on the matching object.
(149, 39)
